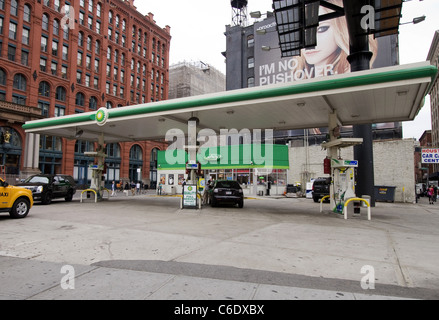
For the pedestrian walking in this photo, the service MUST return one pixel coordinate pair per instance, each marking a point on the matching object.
(430, 194)
(113, 189)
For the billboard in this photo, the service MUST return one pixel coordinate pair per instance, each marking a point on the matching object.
(329, 57)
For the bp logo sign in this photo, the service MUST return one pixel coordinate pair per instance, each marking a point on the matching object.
(102, 116)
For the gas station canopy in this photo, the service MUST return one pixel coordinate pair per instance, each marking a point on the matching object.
(389, 94)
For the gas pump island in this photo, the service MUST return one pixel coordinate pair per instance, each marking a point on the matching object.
(97, 169)
(343, 172)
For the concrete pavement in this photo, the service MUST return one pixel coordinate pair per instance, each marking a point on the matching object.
(145, 247)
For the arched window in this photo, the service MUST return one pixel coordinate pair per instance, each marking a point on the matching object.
(2, 77)
(45, 22)
(110, 17)
(89, 43)
(93, 103)
(20, 82)
(98, 10)
(44, 89)
(136, 153)
(97, 47)
(80, 39)
(109, 105)
(60, 94)
(14, 7)
(55, 27)
(79, 101)
(27, 11)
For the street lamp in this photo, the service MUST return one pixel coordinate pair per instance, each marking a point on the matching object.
(415, 20)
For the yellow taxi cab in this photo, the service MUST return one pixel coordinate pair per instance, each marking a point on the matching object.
(15, 200)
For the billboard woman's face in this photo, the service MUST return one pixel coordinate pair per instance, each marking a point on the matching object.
(326, 45)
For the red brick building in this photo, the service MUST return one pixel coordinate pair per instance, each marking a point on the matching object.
(61, 57)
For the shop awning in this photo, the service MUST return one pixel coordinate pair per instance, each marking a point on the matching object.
(379, 95)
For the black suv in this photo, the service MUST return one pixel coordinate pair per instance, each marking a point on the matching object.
(320, 188)
(226, 191)
(46, 187)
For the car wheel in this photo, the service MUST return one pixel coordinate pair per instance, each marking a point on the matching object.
(47, 198)
(69, 196)
(316, 199)
(20, 209)
(241, 204)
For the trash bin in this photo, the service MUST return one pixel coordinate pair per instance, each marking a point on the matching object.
(385, 193)
(173, 191)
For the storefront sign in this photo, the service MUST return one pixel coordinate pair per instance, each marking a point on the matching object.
(430, 155)
(190, 196)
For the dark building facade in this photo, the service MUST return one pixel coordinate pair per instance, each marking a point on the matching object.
(62, 57)
(253, 59)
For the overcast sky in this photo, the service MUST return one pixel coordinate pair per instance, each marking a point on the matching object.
(198, 26)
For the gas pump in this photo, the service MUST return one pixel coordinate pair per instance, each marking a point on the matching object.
(343, 179)
(97, 169)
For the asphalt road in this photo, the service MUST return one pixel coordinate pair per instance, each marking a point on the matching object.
(146, 247)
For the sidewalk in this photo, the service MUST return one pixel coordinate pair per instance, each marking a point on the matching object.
(145, 247)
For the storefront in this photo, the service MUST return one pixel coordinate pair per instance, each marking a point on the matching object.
(256, 167)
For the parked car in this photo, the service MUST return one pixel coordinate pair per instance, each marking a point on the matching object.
(226, 191)
(15, 200)
(293, 191)
(320, 188)
(46, 187)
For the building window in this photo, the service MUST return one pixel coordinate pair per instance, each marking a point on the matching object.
(250, 82)
(250, 62)
(45, 22)
(93, 103)
(44, 107)
(80, 39)
(250, 41)
(24, 58)
(12, 31)
(96, 65)
(79, 62)
(44, 89)
(55, 27)
(25, 37)
(11, 53)
(98, 10)
(54, 48)
(90, 6)
(53, 68)
(2, 77)
(17, 99)
(43, 44)
(60, 94)
(60, 111)
(43, 64)
(64, 72)
(65, 52)
(89, 43)
(97, 47)
(78, 77)
(14, 7)
(79, 101)
(26, 15)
